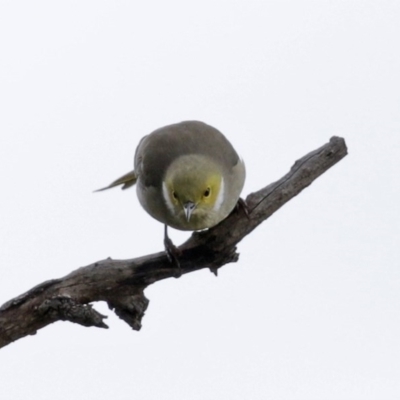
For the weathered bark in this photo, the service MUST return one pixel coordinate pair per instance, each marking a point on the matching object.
(121, 282)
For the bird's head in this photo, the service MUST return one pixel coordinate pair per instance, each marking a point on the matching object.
(193, 190)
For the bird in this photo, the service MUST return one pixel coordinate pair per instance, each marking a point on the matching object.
(188, 176)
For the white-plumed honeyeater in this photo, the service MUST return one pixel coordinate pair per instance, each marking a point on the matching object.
(187, 175)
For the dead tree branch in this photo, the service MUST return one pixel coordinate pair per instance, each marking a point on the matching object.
(121, 283)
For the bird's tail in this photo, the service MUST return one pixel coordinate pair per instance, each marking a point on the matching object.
(126, 181)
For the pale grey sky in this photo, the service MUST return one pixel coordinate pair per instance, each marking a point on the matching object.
(311, 310)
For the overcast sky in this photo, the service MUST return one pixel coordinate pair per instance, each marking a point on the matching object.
(312, 308)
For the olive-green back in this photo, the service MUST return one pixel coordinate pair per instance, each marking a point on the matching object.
(157, 150)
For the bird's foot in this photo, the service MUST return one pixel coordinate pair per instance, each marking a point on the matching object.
(242, 205)
(173, 254)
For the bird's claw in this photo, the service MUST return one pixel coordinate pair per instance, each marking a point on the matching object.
(242, 205)
(173, 254)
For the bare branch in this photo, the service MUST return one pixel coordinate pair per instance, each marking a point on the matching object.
(121, 282)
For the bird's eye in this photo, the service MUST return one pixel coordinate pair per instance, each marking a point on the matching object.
(207, 192)
(174, 195)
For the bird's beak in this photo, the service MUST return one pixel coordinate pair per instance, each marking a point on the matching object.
(189, 207)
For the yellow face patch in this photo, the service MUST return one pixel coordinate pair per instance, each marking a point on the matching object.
(195, 189)
(193, 180)
(211, 190)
